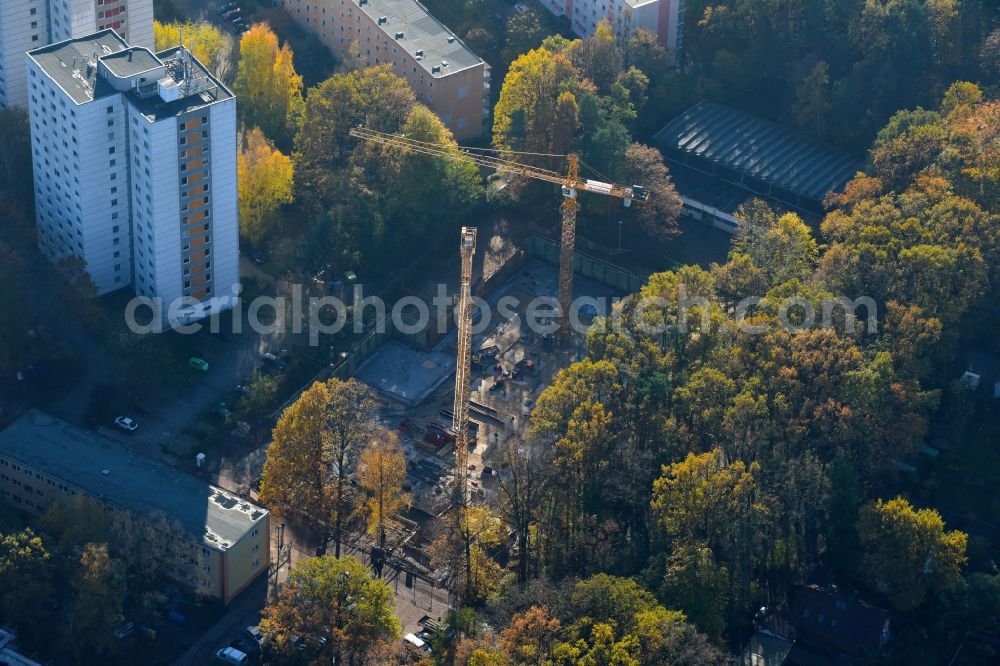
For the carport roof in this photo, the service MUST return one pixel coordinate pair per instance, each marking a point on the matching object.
(758, 148)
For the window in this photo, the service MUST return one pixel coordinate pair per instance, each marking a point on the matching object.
(111, 150)
(111, 109)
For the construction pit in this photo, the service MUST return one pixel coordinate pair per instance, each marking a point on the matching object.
(511, 366)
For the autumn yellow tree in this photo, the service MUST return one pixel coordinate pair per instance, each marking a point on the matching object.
(311, 448)
(265, 177)
(462, 549)
(381, 473)
(269, 89)
(207, 43)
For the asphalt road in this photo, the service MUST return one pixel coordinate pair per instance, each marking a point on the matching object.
(243, 612)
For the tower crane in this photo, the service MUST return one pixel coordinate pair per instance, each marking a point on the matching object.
(570, 182)
(463, 366)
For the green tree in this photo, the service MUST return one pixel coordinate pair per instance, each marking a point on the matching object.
(907, 552)
(812, 103)
(699, 586)
(313, 444)
(524, 32)
(334, 606)
(463, 548)
(25, 580)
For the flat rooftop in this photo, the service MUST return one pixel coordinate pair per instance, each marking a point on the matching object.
(68, 64)
(133, 60)
(198, 87)
(421, 32)
(102, 467)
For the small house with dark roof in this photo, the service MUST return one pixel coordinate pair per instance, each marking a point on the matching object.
(838, 622)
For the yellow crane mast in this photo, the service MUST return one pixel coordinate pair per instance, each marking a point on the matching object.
(463, 366)
(571, 183)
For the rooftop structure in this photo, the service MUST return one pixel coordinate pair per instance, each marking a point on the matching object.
(115, 474)
(103, 64)
(73, 64)
(756, 154)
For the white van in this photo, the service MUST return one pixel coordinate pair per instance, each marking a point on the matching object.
(231, 655)
(416, 643)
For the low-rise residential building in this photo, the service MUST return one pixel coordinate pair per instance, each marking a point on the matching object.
(43, 458)
(29, 24)
(444, 73)
(134, 158)
(663, 18)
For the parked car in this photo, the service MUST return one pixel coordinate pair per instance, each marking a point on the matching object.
(244, 645)
(198, 363)
(260, 256)
(231, 655)
(126, 423)
(273, 361)
(228, 7)
(124, 630)
(231, 14)
(416, 644)
(257, 635)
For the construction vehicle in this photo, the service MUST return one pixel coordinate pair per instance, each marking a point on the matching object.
(571, 183)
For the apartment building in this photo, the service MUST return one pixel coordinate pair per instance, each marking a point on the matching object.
(135, 171)
(43, 458)
(663, 18)
(29, 24)
(444, 73)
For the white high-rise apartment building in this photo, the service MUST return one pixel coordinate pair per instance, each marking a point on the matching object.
(663, 18)
(135, 170)
(29, 24)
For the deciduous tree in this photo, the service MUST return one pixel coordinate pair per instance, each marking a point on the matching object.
(382, 474)
(335, 608)
(908, 554)
(265, 178)
(205, 41)
(305, 475)
(269, 89)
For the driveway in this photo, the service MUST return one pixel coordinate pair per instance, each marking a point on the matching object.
(243, 611)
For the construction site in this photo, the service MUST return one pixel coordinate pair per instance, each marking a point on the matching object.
(456, 398)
